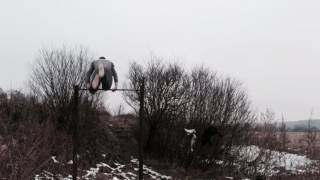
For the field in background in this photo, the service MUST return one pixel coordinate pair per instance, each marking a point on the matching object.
(297, 143)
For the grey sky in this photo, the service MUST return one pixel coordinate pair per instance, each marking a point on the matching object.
(272, 46)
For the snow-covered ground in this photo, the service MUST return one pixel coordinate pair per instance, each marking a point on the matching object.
(270, 162)
(114, 171)
(260, 160)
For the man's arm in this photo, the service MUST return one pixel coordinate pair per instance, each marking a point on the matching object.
(115, 77)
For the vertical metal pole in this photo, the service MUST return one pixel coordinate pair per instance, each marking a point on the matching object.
(75, 131)
(141, 97)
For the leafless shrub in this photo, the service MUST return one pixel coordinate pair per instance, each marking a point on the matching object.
(53, 76)
(164, 99)
(22, 136)
(266, 139)
(268, 132)
(310, 139)
(36, 126)
(176, 100)
(283, 137)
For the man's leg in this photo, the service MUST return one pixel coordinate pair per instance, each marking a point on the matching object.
(98, 76)
(105, 84)
(95, 81)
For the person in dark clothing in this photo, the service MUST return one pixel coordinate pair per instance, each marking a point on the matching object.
(208, 133)
(101, 71)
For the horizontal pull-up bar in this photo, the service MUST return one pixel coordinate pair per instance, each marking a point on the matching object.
(85, 89)
(75, 135)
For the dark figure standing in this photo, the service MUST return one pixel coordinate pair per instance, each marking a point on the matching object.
(208, 133)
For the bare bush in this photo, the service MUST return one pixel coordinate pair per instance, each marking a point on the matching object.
(176, 100)
(36, 126)
(23, 137)
(164, 99)
(53, 76)
(310, 139)
(255, 157)
(283, 137)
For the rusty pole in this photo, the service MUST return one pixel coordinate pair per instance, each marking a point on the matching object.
(141, 97)
(75, 131)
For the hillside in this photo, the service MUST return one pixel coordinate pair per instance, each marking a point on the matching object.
(302, 124)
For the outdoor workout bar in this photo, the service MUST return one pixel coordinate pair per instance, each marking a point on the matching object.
(85, 89)
(75, 138)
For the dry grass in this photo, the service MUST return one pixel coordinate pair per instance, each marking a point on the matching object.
(297, 143)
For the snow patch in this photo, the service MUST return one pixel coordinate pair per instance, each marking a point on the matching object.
(269, 162)
(114, 171)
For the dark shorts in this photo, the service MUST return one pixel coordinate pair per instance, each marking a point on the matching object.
(105, 84)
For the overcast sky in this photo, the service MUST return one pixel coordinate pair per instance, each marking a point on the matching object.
(272, 46)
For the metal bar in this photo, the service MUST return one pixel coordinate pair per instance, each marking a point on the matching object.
(141, 97)
(75, 126)
(85, 89)
(75, 132)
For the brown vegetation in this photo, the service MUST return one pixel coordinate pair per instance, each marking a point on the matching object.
(37, 125)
